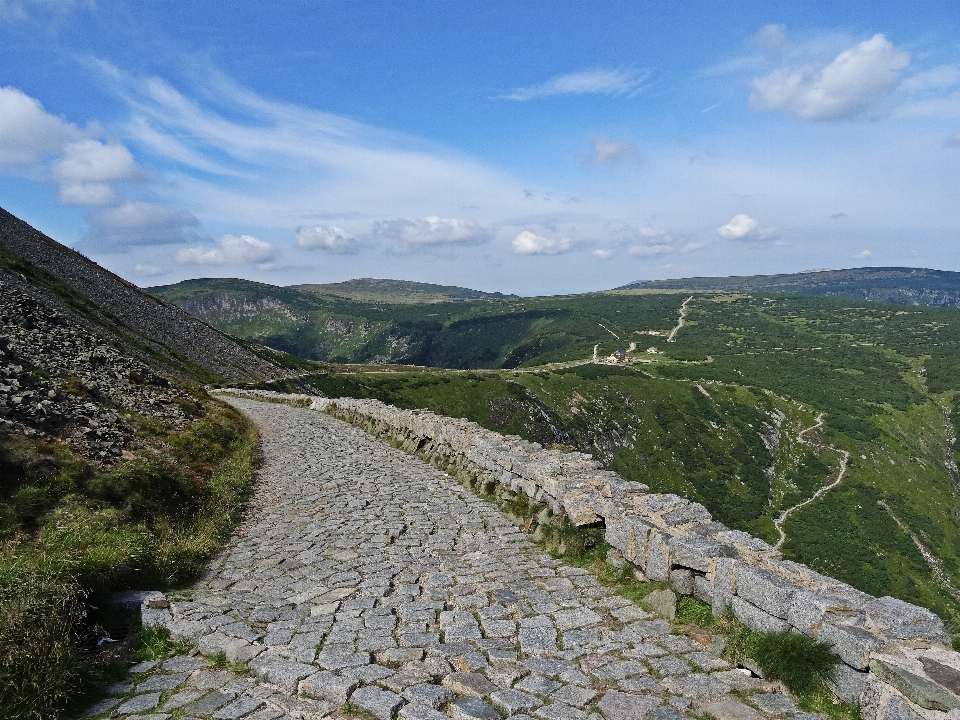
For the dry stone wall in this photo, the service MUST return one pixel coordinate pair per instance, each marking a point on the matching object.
(897, 657)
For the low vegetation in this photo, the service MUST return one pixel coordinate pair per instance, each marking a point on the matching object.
(71, 534)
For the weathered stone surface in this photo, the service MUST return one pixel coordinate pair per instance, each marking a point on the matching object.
(332, 687)
(775, 704)
(512, 702)
(469, 683)
(663, 603)
(472, 708)
(765, 590)
(917, 689)
(754, 617)
(658, 558)
(382, 704)
(615, 705)
(139, 703)
(730, 708)
(852, 644)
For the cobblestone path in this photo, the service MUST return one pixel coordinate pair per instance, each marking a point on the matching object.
(366, 575)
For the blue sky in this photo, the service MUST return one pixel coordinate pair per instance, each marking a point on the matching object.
(537, 147)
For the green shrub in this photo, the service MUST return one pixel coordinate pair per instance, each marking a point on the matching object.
(691, 611)
(799, 661)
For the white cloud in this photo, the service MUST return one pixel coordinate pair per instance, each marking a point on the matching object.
(855, 82)
(231, 250)
(936, 78)
(528, 243)
(599, 81)
(138, 222)
(602, 254)
(148, 270)
(606, 150)
(86, 169)
(28, 133)
(863, 254)
(413, 235)
(744, 227)
(327, 238)
(692, 247)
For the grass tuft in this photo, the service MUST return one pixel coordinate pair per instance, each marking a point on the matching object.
(798, 661)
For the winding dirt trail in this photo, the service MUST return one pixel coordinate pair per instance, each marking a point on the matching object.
(844, 457)
(683, 314)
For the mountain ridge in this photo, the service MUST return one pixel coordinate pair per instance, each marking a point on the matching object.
(901, 285)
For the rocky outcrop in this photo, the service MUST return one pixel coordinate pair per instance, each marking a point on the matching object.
(896, 657)
(145, 325)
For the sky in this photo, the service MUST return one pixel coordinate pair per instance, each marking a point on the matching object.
(522, 147)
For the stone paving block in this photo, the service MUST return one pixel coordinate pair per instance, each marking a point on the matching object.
(730, 708)
(329, 686)
(666, 713)
(339, 659)
(472, 708)
(469, 683)
(163, 682)
(697, 686)
(538, 685)
(429, 694)
(138, 703)
(559, 711)
(514, 701)
(706, 661)
(382, 704)
(181, 663)
(615, 705)
(421, 712)
(575, 618)
(281, 673)
(184, 697)
(101, 707)
(669, 665)
(209, 703)
(775, 704)
(573, 695)
(240, 708)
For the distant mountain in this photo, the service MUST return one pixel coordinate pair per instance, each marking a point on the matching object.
(399, 291)
(136, 322)
(910, 286)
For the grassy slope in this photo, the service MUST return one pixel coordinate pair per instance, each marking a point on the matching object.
(70, 534)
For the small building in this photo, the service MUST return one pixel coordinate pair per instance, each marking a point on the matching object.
(619, 356)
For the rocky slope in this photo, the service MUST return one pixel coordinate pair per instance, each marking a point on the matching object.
(60, 382)
(145, 326)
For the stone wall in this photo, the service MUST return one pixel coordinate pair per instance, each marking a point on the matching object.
(897, 657)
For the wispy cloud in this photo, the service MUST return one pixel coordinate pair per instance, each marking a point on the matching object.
(238, 157)
(597, 82)
(863, 254)
(140, 223)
